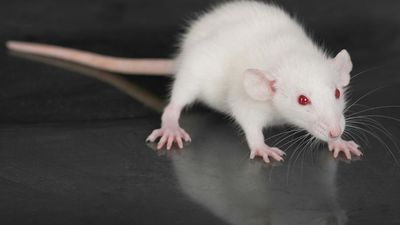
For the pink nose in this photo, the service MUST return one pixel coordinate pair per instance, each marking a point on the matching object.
(334, 134)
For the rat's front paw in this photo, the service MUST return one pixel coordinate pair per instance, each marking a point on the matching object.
(265, 152)
(347, 147)
(168, 136)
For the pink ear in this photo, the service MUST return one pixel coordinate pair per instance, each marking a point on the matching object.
(258, 84)
(344, 66)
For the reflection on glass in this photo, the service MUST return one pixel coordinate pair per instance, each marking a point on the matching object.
(216, 173)
(215, 170)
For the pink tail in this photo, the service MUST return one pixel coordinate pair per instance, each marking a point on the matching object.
(107, 63)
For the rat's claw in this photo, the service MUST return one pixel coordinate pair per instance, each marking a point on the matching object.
(349, 148)
(266, 152)
(168, 136)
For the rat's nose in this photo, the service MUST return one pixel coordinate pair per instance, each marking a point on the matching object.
(334, 133)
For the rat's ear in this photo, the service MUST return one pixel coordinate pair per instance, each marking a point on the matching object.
(343, 64)
(259, 84)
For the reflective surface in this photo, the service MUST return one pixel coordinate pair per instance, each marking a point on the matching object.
(72, 147)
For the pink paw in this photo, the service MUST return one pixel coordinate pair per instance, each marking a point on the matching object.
(265, 152)
(347, 147)
(168, 136)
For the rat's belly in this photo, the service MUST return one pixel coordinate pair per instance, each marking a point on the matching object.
(214, 100)
(214, 94)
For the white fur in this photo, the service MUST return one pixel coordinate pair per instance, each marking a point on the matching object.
(234, 37)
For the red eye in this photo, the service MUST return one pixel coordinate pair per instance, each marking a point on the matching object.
(303, 100)
(337, 93)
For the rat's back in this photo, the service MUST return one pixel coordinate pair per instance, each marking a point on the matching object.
(221, 44)
(229, 15)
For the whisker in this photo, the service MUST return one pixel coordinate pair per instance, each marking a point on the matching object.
(362, 136)
(375, 108)
(380, 116)
(362, 97)
(301, 139)
(379, 139)
(281, 133)
(376, 125)
(288, 136)
(306, 147)
(366, 70)
(365, 141)
(292, 142)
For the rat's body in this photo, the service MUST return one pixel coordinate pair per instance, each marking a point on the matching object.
(254, 62)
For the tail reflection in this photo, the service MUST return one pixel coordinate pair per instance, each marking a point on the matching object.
(115, 80)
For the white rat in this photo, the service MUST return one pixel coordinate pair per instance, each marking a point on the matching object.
(250, 60)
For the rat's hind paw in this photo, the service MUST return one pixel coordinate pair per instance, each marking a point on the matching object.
(265, 152)
(347, 147)
(168, 136)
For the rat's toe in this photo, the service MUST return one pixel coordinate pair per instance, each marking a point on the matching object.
(275, 155)
(347, 153)
(277, 150)
(162, 141)
(356, 151)
(154, 135)
(252, 154)
(277, 158)
(266, 158)
(179, 142)
(170, 142)
(353, 144)
(336, 153)
(186, 136)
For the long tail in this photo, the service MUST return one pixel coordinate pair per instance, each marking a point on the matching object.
(97, 61)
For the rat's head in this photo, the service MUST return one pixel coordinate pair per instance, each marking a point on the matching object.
(307, 93)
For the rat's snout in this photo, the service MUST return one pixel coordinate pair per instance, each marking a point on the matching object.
(329, 129)
(334, 129)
